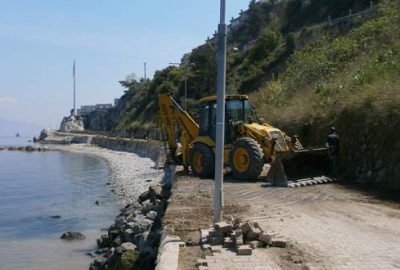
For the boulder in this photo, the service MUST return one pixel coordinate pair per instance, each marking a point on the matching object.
(144, 196)
(113, 234)
(151, 215)
(98, 263)
(129, 235)
(117, 241)
(126, 261)
(127, 246)
(103, 241)
(71, 236)
(156, 191)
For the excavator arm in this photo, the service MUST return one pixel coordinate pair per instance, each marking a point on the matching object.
(173, 117)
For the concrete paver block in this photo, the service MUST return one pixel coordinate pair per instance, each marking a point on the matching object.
(238, 241)
(244, 250)
(201, 262)
(216, 249)
(216, 241)
(266, 238)
(279, 242)
(253, 233)
(255, 244)
(223, 227)
(206, 246)
(245, 227)
(204, 235)
(228, 243)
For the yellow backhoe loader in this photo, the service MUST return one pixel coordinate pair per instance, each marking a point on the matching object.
(249, 142)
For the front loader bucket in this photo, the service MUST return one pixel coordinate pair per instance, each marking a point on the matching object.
(307, 164)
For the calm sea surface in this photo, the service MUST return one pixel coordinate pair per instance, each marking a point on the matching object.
(36, 186)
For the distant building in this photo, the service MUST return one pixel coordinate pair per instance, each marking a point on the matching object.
(87, 109)
(84, 110)
(100, 107)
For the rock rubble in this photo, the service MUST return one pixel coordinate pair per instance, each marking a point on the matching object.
(133, 239)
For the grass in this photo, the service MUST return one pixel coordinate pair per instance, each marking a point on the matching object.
(321, 80)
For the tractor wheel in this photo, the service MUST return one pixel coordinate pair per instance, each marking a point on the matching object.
(202, 160)
(246, 159)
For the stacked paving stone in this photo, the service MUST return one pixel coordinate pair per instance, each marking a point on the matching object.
(134, 237)
(243, 237)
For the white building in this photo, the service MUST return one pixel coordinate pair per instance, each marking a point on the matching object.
(87, 109)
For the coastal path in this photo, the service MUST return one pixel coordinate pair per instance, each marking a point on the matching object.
(330, 226)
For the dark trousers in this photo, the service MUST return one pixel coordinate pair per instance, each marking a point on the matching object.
(332, 164)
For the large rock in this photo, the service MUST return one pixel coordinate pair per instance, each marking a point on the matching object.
(71, 236)
(72, 123)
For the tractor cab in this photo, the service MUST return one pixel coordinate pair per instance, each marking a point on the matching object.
(237, 110)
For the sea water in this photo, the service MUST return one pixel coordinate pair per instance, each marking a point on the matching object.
(35, 188)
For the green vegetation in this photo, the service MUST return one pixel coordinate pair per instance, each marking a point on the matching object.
(337, 72)
(126, 261)
(296, 67)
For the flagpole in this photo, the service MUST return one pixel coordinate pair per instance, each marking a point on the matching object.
(74, 101)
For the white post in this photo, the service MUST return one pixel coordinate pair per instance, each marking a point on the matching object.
(220, 125)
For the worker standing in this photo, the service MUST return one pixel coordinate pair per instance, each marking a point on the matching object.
(333, 145)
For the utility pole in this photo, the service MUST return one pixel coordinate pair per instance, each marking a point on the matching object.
(186, 67)
(186, 86)
(145, 72)
(219, 146)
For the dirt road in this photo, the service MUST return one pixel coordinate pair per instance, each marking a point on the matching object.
(331, 226)
(335, 227)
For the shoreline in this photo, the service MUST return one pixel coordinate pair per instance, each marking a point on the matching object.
(129, 174)
(140, 184)
(133, 239)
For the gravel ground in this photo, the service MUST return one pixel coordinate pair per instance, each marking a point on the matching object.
(130, 175)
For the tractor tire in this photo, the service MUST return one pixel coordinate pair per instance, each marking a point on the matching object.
(246, 159)
(202, 161)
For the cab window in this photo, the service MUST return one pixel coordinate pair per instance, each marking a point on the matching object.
(204, 118)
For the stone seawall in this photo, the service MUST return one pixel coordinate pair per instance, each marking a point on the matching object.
(369, 145)
(143, 148)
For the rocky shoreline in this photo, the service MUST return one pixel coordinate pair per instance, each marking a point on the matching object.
(25, 148)
(132, 241)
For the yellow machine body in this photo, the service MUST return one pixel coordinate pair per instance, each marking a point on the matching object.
(249, 144)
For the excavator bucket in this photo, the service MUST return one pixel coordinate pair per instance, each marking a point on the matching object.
(307, 167)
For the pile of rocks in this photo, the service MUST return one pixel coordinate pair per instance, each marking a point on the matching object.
(26, 148)
(134, 237)
(240, 236)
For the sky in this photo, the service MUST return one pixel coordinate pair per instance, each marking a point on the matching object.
(39, 40)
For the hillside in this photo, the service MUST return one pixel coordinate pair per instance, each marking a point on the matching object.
(305, 70)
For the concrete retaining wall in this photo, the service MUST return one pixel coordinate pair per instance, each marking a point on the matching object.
(143, 148)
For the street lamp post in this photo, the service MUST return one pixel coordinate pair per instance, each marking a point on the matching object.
(220, 125)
